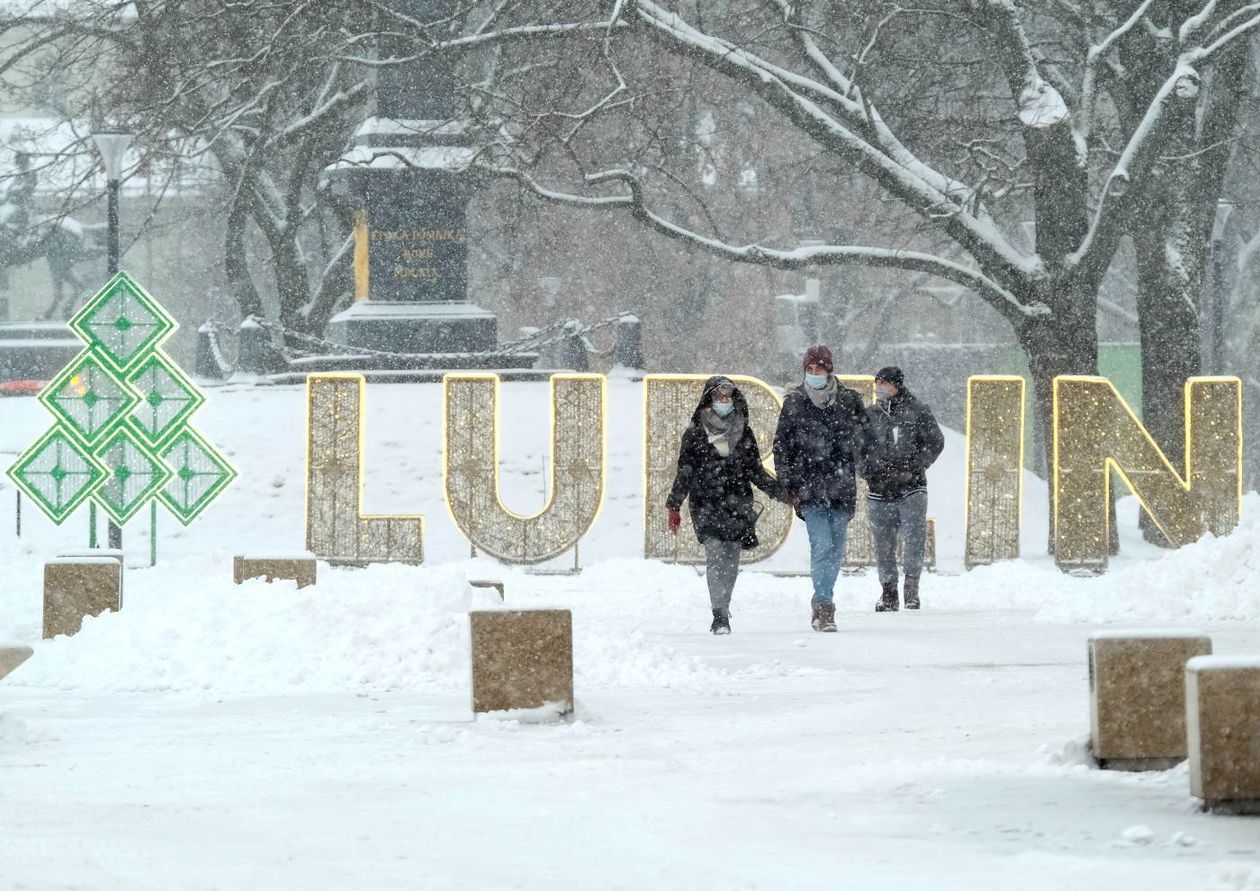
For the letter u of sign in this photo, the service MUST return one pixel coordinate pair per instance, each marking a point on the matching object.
(471, 465)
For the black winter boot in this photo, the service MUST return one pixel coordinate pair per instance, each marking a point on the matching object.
(816, 616)
(827, 617)
(721, 623)
(912, 592)
(888, 599)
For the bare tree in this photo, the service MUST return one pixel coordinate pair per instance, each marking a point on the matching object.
(1118, 121)
(257, 91)
(1094, 121)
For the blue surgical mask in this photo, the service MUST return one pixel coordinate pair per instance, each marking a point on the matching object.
(723, 408)
(816, 381)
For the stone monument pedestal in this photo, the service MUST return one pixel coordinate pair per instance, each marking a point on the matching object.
(429, 329)
(408, 175)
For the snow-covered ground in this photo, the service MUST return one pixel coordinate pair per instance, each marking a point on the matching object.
(216, 736)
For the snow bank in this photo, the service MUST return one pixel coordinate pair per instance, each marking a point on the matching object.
(376, 629)
(12, 730)
(396, 627)
(1215, 579)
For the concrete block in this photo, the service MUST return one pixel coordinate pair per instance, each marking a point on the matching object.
(11, 656)
(104, 552)
(522, 659)
(1223, 732)
(1137, 696)
(75, 587)
(297, 569)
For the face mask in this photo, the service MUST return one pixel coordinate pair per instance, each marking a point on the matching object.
(723, 408)
(883, 394)
(816, 381)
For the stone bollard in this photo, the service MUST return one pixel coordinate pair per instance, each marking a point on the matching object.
(75, 587)
(574, 349)
(628, 347)
(11, 656)
(296, 569)
(255, 353)
(1223, 732)
(1137, 696)
(522, 659)
(210, 363)
(487, 583)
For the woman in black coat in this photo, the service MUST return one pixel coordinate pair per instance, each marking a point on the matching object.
(717, 465)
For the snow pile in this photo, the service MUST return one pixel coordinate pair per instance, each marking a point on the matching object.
(1214, 579)
(382, 628)
(1236, 877)
(12, 730)
(611, 658)
(376, 629)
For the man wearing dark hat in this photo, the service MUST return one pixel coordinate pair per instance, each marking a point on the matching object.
(821, 432)
(905, 441)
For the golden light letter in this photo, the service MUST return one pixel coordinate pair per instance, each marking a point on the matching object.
(669, 401)
(1095, 432)
(471, 467)
(335, 529)
(859, 543)
(995, 461)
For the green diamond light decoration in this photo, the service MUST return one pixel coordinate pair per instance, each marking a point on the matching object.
(58, 474)
(122, 408)
(200, 474)
(168, 399)
(122, 322)
(135, 476)
(87, 399)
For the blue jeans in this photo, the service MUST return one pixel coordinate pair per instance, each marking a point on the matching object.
(826, 527)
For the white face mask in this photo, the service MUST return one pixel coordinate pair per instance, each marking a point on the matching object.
(723, 408)
(883, 393)
(816, 381)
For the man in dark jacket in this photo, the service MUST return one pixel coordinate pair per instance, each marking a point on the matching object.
(906, 440)
(821, 433)
(717, 462)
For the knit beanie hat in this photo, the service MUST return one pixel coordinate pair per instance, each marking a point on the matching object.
(818, 355)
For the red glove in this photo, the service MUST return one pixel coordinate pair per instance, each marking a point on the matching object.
(675, 520)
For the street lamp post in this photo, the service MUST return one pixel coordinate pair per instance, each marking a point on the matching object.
(112, 147)
(1217, 297)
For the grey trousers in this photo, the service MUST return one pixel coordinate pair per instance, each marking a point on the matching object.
(907, 517)
(722, 560)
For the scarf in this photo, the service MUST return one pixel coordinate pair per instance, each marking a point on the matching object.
(826, 397)
(723, 433)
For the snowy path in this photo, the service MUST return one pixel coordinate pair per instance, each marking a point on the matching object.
(929, 750)
(214, 736)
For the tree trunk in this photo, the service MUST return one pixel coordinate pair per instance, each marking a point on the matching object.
(1168, 314)
(293, 287)
(1065, 342)
(1173, 236)
(236, 265)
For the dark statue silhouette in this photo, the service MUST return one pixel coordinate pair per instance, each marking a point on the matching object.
(25, 237)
